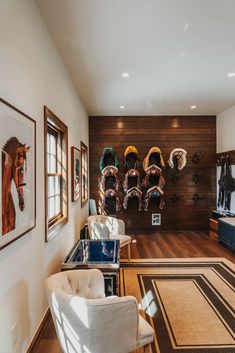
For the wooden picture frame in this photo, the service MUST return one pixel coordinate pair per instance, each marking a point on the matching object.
(84, 174)
(75, 173)
(18, 173)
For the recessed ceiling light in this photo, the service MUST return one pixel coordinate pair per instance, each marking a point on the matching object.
(125, 74)
(185, 27)
(122, 106)
(193, 107)
(231, 74)
(181, 55)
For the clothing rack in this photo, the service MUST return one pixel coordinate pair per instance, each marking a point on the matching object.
(224, 154)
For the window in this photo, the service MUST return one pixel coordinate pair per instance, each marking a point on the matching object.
(56, 174)
(84, 174)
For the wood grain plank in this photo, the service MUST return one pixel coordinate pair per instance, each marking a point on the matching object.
(194, 133)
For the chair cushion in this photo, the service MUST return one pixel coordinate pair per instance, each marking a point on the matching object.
(115, 225)
(83, 283)
(124, 239)
(145, 332)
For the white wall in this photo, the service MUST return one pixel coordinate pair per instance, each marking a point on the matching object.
(225, 130)
(31, 75)
(226, 140)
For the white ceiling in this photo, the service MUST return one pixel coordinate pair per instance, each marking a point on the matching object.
(178, 53)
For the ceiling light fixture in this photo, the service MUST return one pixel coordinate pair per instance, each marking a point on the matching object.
(181, 55)
(185, 27)
(193, 107)
(122, 106)
(231, 74)
(125, 74)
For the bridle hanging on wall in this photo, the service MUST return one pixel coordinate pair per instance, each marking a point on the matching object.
(226, 183)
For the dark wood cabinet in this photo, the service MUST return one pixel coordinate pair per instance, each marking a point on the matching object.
(214, 229)
(226, 231)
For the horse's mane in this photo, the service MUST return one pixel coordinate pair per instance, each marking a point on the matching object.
(11, 140)
(9, 149)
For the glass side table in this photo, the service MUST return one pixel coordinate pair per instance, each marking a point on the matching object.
(101, 254)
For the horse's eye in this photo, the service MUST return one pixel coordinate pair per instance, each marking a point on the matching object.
(21, 169)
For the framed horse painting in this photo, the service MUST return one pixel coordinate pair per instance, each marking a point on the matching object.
(75, 173)
(84, 174)
(18, 173)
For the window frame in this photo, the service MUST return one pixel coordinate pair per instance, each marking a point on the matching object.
(53, 125)
(57, 134)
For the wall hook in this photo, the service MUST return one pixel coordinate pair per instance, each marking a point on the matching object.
(198, 156)
(176, 177)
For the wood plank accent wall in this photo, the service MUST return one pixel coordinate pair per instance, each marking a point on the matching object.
(193, 133)
(224, 154)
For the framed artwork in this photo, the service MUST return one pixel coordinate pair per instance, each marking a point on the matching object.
(18, 173)
(75, 173)
(84, 174)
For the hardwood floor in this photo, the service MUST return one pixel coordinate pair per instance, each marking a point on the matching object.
(157, 245)
(177, 245)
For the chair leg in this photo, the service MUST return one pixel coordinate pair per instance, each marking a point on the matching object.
(147, 348)
(129, 251)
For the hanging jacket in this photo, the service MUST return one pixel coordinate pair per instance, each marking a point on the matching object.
(226, 184)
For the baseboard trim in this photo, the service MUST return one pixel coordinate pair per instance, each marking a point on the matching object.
(37, 337)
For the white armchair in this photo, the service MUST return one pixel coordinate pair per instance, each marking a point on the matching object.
(88, 322)
(106, 227)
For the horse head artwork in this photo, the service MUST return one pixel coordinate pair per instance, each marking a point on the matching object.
(14, 166)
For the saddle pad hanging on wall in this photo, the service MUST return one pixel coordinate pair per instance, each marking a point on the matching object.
(132, 182)
(109, 182)
(177, 158)
(131, 158)
(153, 181)
(108, 158)
(154, 157)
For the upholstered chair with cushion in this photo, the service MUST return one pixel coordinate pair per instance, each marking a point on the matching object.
(88, 322)
(106, 227)
(92, 207)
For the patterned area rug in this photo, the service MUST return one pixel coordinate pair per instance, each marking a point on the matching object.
(189, 302)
